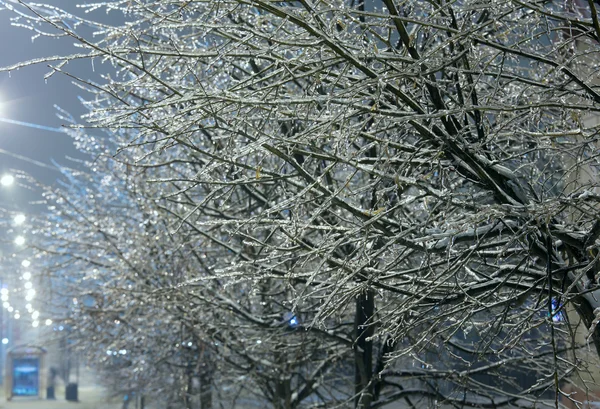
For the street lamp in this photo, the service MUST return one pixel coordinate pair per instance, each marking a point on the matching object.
(7, 180)
(30, 294)
(19, 219)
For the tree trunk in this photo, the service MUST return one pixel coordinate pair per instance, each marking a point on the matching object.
(284, 394)
(205, 386)
(363, 350)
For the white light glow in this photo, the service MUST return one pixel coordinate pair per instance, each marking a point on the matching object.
(35, 315)
(19, 240)
(25, 263)
(10, 309)
(35, 324)
(19, 219)
(4, 291)
(7, 180)
(17, 316)
(48, 321)
(6, 304)
(5, 341)
(28, 285)
(26, 275)
(4, 297)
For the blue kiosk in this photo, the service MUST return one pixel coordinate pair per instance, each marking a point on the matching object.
(25, 372)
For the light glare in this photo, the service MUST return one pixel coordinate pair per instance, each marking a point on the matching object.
(19, 219)
(7, 180)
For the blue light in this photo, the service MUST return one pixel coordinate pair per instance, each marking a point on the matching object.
(557, 316)
(290, 319)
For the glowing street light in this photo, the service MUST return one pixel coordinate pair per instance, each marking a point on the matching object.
(30, 294)
(27, 275)
(25, 263)
(7, 180)
(19, 219)
(19, 240)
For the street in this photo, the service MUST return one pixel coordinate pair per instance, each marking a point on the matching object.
(89, 398)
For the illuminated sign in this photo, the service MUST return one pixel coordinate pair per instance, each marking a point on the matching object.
(26, 373)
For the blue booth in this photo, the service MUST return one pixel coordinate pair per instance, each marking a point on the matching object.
(25, 372)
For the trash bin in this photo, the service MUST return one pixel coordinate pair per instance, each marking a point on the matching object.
(71, 392)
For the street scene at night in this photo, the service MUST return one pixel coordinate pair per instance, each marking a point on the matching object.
(304, 204)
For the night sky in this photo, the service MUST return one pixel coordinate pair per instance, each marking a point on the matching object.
(25, 96)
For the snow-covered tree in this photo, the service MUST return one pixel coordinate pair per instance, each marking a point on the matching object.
(405, 191)
(141, 304)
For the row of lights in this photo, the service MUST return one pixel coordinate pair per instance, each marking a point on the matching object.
(8, 180)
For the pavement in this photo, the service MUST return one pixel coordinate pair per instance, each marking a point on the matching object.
(89, 398)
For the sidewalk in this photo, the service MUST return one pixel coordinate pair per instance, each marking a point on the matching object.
(89, 398)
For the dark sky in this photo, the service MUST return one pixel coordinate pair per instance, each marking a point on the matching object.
(25, 96)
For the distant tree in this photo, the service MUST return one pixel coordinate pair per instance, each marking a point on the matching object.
(140, 303)
(409, 186)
